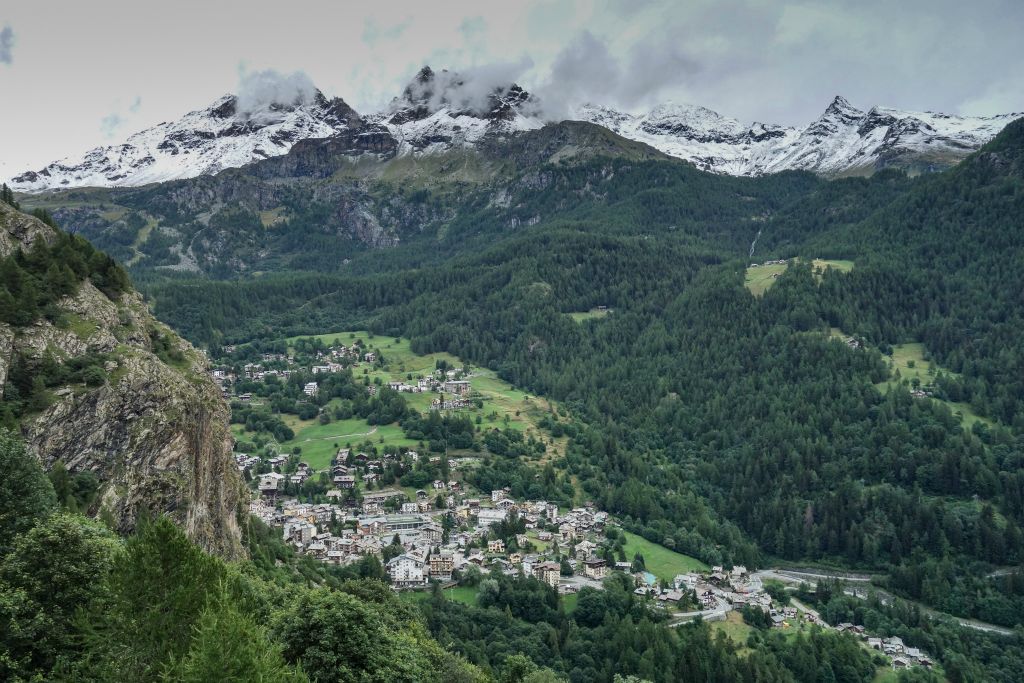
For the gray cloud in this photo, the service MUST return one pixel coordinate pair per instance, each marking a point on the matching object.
(586, 71)
(259, 91)
(110, 124)
(6, 44)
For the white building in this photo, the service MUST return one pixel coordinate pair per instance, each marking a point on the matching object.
(406, 570)
(310, 389)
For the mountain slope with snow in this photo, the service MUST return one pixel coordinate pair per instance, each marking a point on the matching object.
(200, 143)
(843, 140)
(439, 111)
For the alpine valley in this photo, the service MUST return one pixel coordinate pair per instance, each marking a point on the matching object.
(456, 391)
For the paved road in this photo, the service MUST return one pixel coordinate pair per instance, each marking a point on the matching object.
(796, 576)
(718, 611)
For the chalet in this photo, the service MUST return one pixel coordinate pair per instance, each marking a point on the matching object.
(584, 549)
(595, 569)
(370, 357)
(496, 546)
(548, 572)
(344, 481)
(269, 484)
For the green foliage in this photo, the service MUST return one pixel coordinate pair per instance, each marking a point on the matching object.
(339, 637)
(26, 495)
(7, 196)
(228, 645)
(160, 587)
(33, 281)
(54, 569)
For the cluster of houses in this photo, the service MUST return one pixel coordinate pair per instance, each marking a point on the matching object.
(341, 532)
(272, 483)
(902, 656)
(776, 262)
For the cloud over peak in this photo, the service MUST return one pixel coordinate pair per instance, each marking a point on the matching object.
(260, 91)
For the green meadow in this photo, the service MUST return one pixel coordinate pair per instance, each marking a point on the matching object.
(660, 561)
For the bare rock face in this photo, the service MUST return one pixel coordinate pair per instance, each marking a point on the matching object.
(156, 431)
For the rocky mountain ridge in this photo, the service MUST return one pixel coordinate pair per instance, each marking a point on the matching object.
(439, 112)
(844, 140)
(152, 426)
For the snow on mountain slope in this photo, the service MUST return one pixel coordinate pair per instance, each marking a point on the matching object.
(201, 142)
(842, 140)
(439, 111)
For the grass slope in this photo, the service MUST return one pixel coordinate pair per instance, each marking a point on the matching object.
(660, 561)
(759, 278)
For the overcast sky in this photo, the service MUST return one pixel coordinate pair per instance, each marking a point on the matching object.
(74, 75)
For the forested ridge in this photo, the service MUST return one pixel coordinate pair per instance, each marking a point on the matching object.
(729, 423)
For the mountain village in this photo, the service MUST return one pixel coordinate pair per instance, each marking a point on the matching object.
(450, 534)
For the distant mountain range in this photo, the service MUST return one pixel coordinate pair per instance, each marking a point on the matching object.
(440, 111)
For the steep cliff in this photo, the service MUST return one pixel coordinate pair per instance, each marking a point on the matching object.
(146, 418)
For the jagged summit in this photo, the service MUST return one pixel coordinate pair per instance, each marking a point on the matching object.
(441, 110)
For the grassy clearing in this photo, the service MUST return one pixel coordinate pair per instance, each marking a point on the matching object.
(272, 217)
(734, 628)
(909, 364)
(592, 314)
(570, 601)
(660, 561)
(758, 279)
(141, 239)
(821, 265)
(318, 441)
(464, 594)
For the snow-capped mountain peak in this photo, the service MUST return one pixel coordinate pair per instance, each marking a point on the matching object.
(441, 110)
(223, 135)
(844, 139)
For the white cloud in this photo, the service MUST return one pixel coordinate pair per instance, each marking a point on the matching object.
(258, 91)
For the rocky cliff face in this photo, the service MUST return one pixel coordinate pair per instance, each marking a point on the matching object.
(155, 432)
